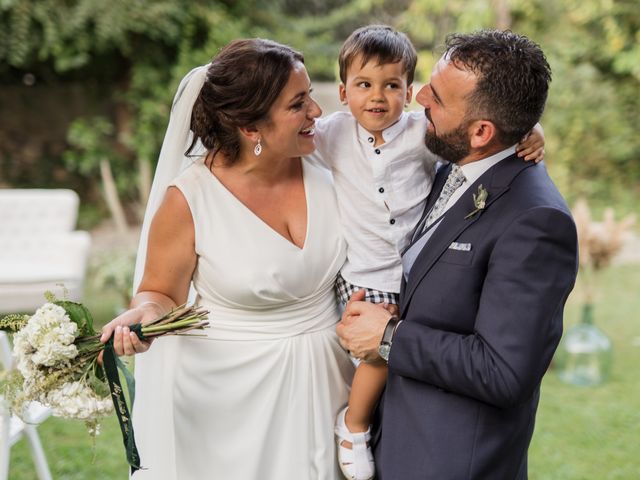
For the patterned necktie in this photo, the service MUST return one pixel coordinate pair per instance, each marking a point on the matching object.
(454, 180)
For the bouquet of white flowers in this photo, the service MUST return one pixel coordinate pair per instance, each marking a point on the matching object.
(56, 353)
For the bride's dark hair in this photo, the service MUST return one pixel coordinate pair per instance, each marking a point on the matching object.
(242, 83)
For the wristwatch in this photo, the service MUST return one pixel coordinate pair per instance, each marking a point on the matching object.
(387, 338)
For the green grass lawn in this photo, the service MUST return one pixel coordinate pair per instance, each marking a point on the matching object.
(588, 433)
(594, 432)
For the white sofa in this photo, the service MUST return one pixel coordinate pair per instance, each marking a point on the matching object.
(40, 249)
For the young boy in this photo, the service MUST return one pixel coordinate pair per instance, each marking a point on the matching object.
(382, 173)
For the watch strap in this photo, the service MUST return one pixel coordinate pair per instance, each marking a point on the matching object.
(389, 330)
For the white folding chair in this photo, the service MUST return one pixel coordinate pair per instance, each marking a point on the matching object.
(13, 428)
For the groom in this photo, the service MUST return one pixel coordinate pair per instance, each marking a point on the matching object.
(485, 278)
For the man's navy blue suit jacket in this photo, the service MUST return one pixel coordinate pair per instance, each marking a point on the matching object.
(480, 326)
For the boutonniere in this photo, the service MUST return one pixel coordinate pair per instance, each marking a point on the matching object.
(479, 201)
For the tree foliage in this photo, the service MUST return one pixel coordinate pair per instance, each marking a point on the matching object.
(71, 35)
(594, 50)
(136, 51)
(593, 107)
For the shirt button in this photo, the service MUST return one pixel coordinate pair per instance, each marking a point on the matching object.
(392, 221)
(381, 190)
(370, 139)
(377, 150)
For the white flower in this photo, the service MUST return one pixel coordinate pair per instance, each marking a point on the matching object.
(33, 383)
(23, 352)
(21, 345)
(77, 400)
(47, 338)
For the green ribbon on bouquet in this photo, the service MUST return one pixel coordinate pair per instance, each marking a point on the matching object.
(111, 364)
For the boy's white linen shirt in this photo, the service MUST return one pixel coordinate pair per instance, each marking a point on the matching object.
(381, 192)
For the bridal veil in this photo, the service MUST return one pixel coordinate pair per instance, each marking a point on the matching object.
(154, 371)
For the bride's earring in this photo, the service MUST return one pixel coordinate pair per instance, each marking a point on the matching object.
(257, 149)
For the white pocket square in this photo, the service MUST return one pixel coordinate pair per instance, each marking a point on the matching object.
(464, 247)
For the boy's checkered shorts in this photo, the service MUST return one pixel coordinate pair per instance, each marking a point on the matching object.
(344, 290)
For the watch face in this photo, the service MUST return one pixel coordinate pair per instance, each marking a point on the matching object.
(384, 350)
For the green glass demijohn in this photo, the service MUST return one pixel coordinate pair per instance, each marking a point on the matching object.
(584, 355)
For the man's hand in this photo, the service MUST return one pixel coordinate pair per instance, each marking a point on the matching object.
(362, 326)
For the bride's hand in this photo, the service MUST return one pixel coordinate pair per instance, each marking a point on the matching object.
(126, 342)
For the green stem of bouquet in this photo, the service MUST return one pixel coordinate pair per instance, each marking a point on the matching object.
(90, 345)
(171, 326)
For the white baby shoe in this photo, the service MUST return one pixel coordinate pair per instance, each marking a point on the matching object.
(356, 462)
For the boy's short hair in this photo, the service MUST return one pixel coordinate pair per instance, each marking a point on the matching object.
(379, 42)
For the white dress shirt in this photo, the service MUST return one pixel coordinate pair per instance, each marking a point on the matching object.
(472, 172)
(381, 192)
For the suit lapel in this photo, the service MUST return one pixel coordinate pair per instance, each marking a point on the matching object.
(496, 181)
(438, 184)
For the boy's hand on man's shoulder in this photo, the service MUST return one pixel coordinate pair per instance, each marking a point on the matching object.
(531, 147)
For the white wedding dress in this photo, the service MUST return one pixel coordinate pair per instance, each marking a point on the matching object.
(257, 398)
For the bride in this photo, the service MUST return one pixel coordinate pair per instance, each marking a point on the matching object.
(253, 229)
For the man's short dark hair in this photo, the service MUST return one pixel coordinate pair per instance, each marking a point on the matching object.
(513, 79)
(381, 43)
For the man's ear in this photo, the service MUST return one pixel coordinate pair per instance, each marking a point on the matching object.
(251, 133)
(482, 133)
(342, 92)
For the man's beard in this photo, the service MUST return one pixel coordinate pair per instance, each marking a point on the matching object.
(452, 146)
